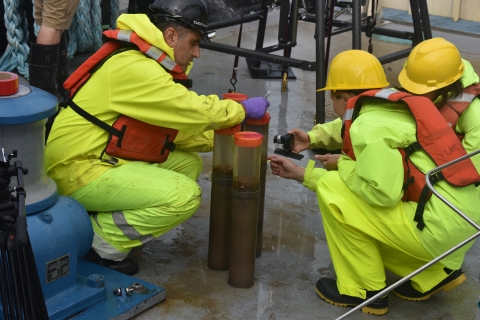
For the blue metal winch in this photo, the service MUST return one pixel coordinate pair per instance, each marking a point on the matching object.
(59, 227)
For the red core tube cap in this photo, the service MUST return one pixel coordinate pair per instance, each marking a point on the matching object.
(229, 131)
(8, 83)
(235, 96)
(248, 139)
(262, 121)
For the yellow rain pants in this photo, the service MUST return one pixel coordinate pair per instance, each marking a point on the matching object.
(140, 201)
(364, 240)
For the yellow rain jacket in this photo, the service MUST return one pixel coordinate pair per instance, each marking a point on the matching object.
(469, 121)
(377, 178)
(135, 85)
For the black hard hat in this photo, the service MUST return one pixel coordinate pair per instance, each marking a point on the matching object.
(191, 13)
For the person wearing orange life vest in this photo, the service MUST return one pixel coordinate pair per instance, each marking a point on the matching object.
(133, 201)
(369, 229)
(435, 69)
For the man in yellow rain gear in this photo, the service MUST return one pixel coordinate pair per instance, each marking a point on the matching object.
(138, 79)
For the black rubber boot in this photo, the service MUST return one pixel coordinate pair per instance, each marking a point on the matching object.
(407, 292)
(43, 64)
(327, 290)
(127, 266)
(62, 71)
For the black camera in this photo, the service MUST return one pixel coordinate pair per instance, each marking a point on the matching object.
(287, 144)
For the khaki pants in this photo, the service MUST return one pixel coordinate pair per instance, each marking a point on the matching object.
(56, 14)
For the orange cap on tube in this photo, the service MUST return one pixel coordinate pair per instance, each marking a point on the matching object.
(229, 131)
(248, 139)
(235, 96)
(263, 120)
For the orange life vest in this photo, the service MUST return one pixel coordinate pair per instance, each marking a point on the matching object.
(452, 110)
(129, 138)
(434, 136)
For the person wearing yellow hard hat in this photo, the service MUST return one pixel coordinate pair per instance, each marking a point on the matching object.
(370, 221)
(436, 70)
(351, 72)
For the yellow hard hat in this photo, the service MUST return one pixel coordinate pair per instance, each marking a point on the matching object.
(355, 70)
(432, 64)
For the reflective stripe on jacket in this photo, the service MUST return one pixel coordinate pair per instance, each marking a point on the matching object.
(454, 107)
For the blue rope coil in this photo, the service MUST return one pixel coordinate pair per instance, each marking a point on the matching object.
(85, 33)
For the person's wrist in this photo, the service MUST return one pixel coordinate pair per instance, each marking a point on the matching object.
(300, 174)
(244, 109)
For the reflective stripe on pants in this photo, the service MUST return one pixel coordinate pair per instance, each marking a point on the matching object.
(140, 201)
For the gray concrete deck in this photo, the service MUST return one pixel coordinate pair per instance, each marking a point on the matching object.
(295, 254)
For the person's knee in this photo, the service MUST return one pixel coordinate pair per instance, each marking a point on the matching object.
(48, 35)
(187, 198)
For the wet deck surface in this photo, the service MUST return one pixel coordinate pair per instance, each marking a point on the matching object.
(295, 254)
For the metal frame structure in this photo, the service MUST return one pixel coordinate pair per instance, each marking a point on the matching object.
(461, 244)
(287, 37)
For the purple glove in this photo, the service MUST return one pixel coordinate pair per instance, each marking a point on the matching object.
(255, 107)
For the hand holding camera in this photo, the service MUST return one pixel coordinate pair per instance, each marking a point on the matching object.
(301, 140)
(287, 142)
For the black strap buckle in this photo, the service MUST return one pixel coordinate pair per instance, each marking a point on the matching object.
(437, 177)
(414, 147)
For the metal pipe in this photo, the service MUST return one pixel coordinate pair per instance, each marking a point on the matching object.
(283, 21)
(344, 26)
(417, 26)
(341, 30)
(356, 24)
(430, 186)
(395, 56)
(427, 31)
(248, 53)
(319, 58)
(262, 25)
(234, 21)
(294, 21)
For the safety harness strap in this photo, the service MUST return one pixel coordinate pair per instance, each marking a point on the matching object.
(94, 119)
(424, 196)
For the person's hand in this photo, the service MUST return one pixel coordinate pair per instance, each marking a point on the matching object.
(329, 161)
(301, 140)
(255, 107)
(285, 168)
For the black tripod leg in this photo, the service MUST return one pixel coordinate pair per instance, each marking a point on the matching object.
(27, 301)
(29, 285)
(13, 268)
(5, 289)
(41, 308)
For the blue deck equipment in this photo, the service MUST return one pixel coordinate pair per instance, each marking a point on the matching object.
(59, 227)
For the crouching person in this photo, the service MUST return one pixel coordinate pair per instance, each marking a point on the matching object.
(126, 145)
(376, 210)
